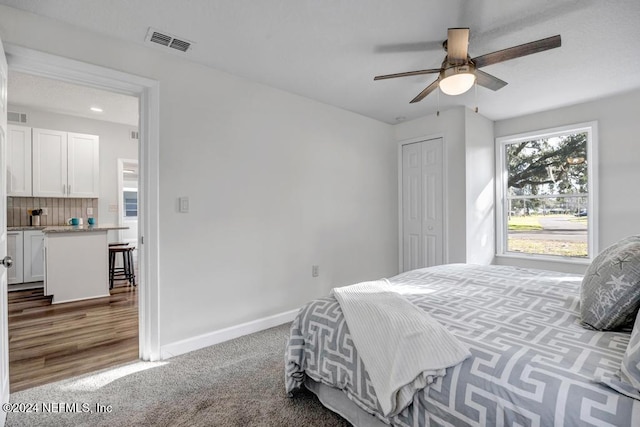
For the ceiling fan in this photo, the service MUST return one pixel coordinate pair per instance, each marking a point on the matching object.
(459, 72)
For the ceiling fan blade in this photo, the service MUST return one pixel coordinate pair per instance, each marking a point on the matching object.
(426, 92)
(457, 45)
(407, 74)
(517, 51)
(489, 81)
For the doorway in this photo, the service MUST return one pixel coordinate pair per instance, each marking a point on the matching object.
(423, 204)
(128, 200)
(42, 64)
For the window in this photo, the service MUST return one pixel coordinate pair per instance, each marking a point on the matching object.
(130, 200)
(545, 188)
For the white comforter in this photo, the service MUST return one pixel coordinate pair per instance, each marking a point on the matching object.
(402, 347)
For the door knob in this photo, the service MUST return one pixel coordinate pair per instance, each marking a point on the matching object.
(7, 261)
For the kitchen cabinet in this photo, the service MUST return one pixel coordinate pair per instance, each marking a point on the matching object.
(33, 255)
(65, 164)
(15, 251)
(26, 248)
(77, 262)
(83, 163)
(18, 161)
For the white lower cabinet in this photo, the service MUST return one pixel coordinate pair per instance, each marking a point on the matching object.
(15, 251)
(27, 250)
(33, 250)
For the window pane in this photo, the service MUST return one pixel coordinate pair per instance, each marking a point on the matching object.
(556, 165)
(548, 226)
(130, 199)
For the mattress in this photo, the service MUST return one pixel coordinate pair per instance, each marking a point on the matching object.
(531, 364)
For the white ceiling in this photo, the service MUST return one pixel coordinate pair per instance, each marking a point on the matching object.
(65, 98)
(330, 50)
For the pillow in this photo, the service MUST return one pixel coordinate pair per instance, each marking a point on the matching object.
(628, 382)
(630, 369)
(610, 291)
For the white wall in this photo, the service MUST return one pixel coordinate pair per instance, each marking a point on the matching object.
(115, 142)
(480, 188)
(276, 182)
(618, 168)
(451, 125)
(469, 187)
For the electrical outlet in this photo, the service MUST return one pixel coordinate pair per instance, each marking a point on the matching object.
(315, 270)
(89, 211)
(45, 211)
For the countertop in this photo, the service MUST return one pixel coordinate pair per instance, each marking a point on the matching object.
(70, 228)
(26, 228)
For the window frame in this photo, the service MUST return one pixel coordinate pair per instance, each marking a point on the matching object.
(591, 128)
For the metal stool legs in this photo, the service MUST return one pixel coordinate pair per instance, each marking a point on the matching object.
(126, 272)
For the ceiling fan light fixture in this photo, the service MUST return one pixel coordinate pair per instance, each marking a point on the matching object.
(457, 80)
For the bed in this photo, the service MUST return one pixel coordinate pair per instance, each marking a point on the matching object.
(531, 364)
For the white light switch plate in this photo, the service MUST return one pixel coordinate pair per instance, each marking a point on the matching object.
(183, 204)
(89, 211)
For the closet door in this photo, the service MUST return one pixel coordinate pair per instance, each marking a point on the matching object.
(422, 204)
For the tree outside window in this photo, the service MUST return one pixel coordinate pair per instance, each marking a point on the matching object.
(544, 184)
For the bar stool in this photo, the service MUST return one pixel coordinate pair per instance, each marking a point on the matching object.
(126, 272)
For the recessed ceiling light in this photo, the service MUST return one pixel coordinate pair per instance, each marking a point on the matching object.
(96, 109)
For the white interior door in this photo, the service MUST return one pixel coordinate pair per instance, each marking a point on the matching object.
(422, 204)
(4, 331)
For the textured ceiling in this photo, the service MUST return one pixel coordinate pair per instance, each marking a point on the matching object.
(65, 98)
(330, 50)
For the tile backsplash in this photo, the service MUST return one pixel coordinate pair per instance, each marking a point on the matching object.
(60, 209)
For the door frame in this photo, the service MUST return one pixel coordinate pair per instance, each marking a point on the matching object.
(445, 197)
(120, 168)
(148, 91)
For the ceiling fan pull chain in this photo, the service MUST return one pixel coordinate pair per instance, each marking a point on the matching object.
(476, 89)
(438, 112)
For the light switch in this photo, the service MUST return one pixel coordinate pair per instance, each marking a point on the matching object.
(89, 211)
(183, 204)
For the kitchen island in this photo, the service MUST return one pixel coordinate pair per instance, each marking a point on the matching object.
(77, 261)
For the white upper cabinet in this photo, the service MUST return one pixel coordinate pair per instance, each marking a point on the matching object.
(49, 163)
(19, 161)
(65, 164)
(83, 177)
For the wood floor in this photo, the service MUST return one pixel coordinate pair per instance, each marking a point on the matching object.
(52, 342)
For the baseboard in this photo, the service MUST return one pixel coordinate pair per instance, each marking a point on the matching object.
(216, 337)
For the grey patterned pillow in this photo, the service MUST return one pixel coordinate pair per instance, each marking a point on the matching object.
(627, 381)
(610, 292)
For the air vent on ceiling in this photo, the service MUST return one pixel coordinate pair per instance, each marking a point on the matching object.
(163, 38)
(15, 117)
(135, 134)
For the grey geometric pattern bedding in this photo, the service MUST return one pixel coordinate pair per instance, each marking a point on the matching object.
(532, 363)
